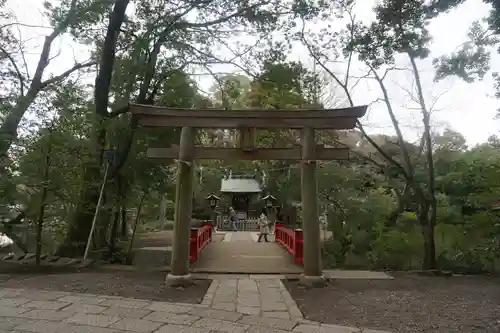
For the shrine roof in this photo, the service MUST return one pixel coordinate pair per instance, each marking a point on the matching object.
(240, 185)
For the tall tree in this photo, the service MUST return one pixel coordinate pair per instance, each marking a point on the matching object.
(186, 28)
(29, 86)
(101, 94)
(401, 28)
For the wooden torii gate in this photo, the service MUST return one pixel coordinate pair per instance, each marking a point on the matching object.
(247, 121)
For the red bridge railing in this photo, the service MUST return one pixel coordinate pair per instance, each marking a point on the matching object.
(292, 240)
(199, 238)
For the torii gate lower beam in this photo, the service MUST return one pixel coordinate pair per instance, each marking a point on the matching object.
(237, 154)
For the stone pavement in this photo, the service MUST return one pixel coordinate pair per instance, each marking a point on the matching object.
(261, 295)
(257, 304)
(239, 253)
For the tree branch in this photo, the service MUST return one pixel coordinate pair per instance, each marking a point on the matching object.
(65, 74)
(347, 92)
(18, 72)
(221, 19)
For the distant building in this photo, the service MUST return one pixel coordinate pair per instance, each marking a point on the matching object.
(241, 191)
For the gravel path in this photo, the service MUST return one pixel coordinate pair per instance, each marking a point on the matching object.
(408, 304)
(144, 285)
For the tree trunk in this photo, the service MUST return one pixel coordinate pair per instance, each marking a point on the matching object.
(39, 226)
(136, 223)
(8, 129)
(431, 211)
(427, 228)
(122, 202)
(41, 212)
(79, 228)
(124, 225)
(116, 217)
(104, 221)
(114, 231)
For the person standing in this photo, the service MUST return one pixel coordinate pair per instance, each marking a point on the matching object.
(233, 218)
(263, 227)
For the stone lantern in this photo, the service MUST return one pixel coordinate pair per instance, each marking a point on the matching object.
(269, 201)
(213, 203)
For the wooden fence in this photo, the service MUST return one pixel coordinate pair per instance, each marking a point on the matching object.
(249, 224)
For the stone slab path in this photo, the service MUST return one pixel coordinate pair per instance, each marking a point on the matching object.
(239, 253)
(261, 295)
(243, 305)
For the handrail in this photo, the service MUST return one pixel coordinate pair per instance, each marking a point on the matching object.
(199, 238)
(292, 240)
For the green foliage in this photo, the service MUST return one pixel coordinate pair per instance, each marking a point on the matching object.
(283, 85)
(466, 240)
(160, 42)
(400, 27)
(472, 61)
(79, 16)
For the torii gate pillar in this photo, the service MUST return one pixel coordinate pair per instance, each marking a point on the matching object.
(313, 274)
(179, 274)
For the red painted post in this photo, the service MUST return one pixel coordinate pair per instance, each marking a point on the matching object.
(199, 238)
(193, 245)
(292, 240)
(298, 248)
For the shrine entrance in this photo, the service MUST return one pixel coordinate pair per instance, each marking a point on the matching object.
(240, 191)
(247, 121)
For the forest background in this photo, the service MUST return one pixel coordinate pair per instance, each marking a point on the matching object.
(414, 194)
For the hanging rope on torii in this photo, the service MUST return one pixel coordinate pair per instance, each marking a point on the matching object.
(247, 121)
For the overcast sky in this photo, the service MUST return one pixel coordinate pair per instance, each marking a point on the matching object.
(467, 108)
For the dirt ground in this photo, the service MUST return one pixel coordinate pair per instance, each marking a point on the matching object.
(142, 285)
(409, 304)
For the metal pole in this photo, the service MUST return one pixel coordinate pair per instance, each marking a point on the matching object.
(97, 208)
